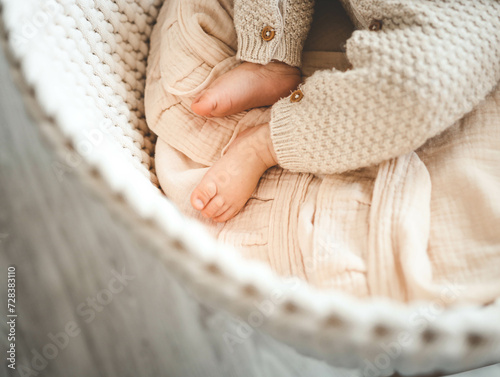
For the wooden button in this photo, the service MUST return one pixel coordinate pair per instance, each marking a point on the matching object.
(267, 33)
(375, 25)
(296, 96)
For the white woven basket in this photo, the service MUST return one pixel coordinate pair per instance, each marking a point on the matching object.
(81, 67)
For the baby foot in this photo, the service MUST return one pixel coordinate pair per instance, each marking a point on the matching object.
(247, 86)
(230, 182)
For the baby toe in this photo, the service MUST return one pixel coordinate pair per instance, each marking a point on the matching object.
(227, 215)
(214, 206)
(222, 209)
(202, 194)
(204, 104)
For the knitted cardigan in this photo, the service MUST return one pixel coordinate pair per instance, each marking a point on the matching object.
(417, 67)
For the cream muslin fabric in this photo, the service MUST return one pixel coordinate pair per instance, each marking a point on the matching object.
(421, 226)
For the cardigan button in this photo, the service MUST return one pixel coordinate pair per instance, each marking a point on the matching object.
(267, 33)
(375, 25)
(296, 96)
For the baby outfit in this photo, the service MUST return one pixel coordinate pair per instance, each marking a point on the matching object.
(410, 224)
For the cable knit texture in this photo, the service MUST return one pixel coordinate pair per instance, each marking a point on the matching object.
(427, 66)
(288, 19)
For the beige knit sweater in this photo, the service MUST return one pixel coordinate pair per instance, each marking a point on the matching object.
(418, 66)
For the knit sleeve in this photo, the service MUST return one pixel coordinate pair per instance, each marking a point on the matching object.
(272, 29)
(418, 68)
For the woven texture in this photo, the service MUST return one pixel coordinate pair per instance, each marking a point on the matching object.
(99, 49)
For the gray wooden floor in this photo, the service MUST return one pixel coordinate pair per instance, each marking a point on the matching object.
(68, 249)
